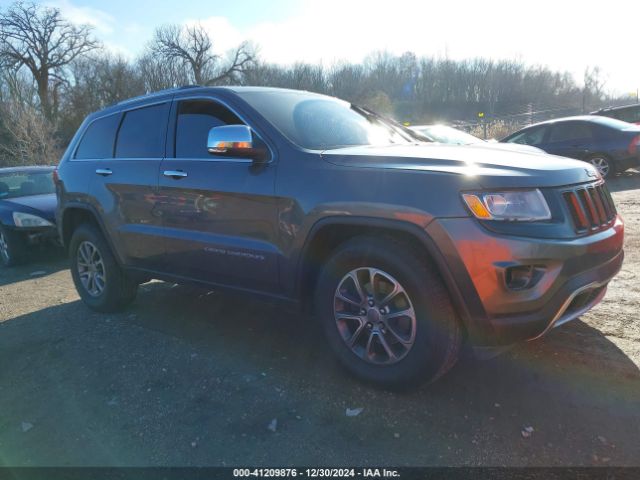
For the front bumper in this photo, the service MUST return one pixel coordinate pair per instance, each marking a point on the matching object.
(39, 235)
(574, 278)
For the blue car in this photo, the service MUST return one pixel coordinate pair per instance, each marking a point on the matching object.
(27, 211)
(610, 145)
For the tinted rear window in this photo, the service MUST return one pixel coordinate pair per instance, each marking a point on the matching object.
(611, 122)
(97, 141)
(142, 132)
(564, 132)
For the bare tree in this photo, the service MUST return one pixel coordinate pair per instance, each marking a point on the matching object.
(33, 138)
(26, 136)
(39, 39)
(192, 47)
(594, 83)
(159, 73)
(95, 82)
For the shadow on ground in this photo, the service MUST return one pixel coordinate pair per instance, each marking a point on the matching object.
(628, 180)
(190, 377)
(40, 262)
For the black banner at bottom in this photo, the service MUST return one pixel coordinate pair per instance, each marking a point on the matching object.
(404, 473)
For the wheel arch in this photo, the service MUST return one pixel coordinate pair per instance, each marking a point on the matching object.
(327, 234)
(75, 215)
(613, 166)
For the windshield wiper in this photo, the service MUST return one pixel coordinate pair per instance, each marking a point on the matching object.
(390, 123)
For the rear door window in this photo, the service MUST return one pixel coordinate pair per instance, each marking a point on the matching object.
(142, 132)
(97, 141)
(570, 131)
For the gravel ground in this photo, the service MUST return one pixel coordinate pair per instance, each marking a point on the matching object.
(189, 377)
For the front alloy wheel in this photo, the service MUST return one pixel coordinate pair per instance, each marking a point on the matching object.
(375, 316)
(12, 247)
(4, 248)
(386, 313)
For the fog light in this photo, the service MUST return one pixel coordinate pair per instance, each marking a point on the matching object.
(522, 276)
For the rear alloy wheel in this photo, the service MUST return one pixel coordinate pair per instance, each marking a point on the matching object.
(602, 164)
(91, 268)
(99, 280)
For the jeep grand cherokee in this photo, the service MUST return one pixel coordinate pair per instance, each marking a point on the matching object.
(402, 248)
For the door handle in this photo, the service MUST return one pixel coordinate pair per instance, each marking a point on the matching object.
(105, 172)
(175, 174)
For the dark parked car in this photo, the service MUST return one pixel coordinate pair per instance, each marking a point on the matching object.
(401, 248)
(453, 136)
(609, 145)
(627, 113)
(27, 211)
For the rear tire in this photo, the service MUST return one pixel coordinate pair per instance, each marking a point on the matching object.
(603, 164)
(399, 354)
(101, 283)
(12, 247)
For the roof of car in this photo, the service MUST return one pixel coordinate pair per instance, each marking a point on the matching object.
(582, 118)
(199, 88)
(159, 95)
(28, 168)
(613, 109)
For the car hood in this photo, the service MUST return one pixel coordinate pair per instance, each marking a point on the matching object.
(490, 166)
(42, 205)
(512, 147)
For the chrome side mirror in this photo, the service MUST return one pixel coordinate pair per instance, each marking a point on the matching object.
(235, 141)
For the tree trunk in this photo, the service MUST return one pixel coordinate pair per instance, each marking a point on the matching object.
(43, 92)
(197, 74)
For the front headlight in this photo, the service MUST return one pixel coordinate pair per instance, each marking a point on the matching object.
(515, 205)
(28, 220)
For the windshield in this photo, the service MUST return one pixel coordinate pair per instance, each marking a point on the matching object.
(317, 122)
(444, 134)
(22, 184)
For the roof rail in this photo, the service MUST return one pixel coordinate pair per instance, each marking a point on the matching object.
(156, 94)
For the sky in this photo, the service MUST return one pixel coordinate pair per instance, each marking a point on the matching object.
(562, 34)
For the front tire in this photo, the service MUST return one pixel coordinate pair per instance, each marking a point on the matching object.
(12, 249)
(386, 314)
(101, 283)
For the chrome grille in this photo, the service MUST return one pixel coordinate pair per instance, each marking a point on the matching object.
(591, 207)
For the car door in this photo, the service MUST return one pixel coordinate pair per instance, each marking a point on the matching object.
(572, 139)
(124, 187)
(219, 214)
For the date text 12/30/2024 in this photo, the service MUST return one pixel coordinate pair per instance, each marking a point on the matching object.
(316, 472)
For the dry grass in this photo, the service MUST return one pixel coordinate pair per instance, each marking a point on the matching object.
(497, 129)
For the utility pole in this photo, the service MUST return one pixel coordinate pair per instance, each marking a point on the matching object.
(484, 123)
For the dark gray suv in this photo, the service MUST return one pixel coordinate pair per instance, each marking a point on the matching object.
(402, 248)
